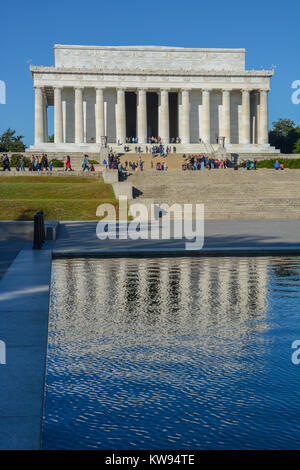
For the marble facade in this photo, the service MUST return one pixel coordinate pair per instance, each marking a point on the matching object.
(109, 93)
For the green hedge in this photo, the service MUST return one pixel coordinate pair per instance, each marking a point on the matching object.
(292, 163)
(93, 162)
(57, 163)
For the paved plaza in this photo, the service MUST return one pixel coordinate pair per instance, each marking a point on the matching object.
(220, 238)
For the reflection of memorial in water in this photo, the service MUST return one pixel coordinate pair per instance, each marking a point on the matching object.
(173, 353)
(170, 293)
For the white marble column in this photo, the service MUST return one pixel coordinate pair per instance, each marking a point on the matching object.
(84, 123)
(99, 117)
(121, 116)
(45, 105)
(185, 116)
(225, 129)
(205, 133)
(64, 117)
(142, 116)
(263, 117)
(245, 124)
(39, 116)
(58, 121)
(78, 115)
(164, 128)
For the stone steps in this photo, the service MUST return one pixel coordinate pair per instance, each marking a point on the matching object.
(226, 194)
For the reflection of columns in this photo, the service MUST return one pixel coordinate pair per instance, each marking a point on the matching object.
(245, 129)
(58, 122)
(205, 134)
(263, 117)
(121, 116)
(185, 117)
(225, 130)
(164, 117)
(78, 115)
(100, 132)
(142, 116)
(39, 115)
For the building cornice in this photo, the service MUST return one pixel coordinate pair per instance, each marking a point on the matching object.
(180, 72)
(150, 48)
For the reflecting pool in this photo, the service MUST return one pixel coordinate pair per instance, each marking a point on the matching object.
(173, 353)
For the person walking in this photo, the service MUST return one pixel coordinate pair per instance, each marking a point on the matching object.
(68, 164)
(45, 162)
(5, 161)
(85, 164)
(35, 164)
(40, 168)
(22, 163)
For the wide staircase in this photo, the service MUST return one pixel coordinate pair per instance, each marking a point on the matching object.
(226, 193)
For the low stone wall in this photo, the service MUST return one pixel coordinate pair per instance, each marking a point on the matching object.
(110, 176)
(23, 230)
(123, 188)
(55, 172)
(289, 155)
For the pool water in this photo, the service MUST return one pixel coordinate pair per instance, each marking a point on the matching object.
(173, 353)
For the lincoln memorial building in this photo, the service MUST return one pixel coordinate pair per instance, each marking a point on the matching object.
(200, 97)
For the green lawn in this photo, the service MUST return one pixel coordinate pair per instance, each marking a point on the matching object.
(61, 198)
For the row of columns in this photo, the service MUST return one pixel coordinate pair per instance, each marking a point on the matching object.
(184, 132)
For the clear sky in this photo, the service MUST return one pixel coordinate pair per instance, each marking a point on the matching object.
(269, 31)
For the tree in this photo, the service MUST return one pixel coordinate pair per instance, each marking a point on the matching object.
(297, 146)
(51, 138)
(9, 142)
(284, 135)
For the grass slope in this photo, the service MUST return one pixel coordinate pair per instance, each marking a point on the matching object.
(61, 198)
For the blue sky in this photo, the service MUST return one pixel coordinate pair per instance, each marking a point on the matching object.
(267, 29)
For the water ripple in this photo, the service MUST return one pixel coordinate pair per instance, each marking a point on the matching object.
(173, 353)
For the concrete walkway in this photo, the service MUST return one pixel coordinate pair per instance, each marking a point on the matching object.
(24, 304)
(232, 237)
(9, 249)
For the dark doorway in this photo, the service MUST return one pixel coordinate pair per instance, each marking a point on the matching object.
(173, 115)
(152, 114)
(130, 104)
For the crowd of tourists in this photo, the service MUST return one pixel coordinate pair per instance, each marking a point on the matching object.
(200, 162)
(154, 149)
(113, 162)
(37, 163)
(40, 163)
(151, 140)
(157, 140)
(248, 164)
(161, 150)
(190, 162)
